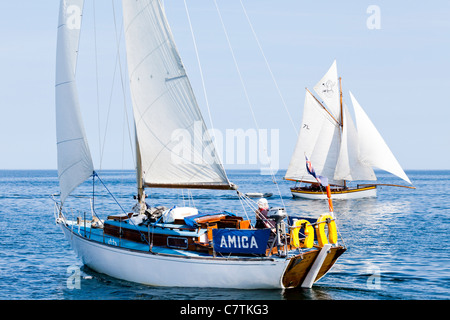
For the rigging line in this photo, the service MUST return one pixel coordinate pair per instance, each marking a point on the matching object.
(110, 102)
(110, 193)
(268, 67)
(97, 87)
(122, 83)
(102, 145)
(104, 185)
(199, 64)
(203, 81)
(247, 97)
(79, 37)
(250, 202)
(191, 198)
(242, 200)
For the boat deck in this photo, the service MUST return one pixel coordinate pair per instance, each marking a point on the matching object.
(98, 235)
(84, 229)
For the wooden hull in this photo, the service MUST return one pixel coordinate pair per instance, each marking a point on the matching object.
(297, 270)
(349, 193)
(187, 269)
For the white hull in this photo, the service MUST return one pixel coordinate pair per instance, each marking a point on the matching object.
(177, 271)
(349, 194)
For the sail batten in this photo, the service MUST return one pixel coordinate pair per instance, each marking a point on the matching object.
(175, 146)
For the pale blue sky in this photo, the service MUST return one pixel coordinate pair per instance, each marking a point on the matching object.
(399, 73)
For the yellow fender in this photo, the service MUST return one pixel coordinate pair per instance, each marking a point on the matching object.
(309, 233)
(332, 230)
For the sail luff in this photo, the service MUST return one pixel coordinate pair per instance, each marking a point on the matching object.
(74, 159)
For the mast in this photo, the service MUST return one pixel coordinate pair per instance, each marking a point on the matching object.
(340, 96)
(139, 179)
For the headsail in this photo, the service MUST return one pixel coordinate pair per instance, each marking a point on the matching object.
(349, 166)
(373, 149)
(74, 158)
(176, 149)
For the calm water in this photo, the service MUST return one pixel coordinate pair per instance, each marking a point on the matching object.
(397, 242)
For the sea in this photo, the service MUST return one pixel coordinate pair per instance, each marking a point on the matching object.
(397, 242)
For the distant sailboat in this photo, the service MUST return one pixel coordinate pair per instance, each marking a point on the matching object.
(338, 149)
(258, 194)
(174, 246)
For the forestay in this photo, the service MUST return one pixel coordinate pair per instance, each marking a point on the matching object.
(176, 149)
(74, 158)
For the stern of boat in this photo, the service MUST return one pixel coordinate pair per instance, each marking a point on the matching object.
(302, 267)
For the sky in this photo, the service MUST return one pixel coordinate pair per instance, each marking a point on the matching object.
(394, 56)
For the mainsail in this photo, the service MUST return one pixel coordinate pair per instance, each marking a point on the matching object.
(74, 158)
(328, 90)
(319, 140)
(176, 149)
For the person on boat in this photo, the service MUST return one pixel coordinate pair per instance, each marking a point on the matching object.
(139, 211)
(315, 186)
(261, 215)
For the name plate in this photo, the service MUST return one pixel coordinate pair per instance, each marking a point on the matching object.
(241, 241)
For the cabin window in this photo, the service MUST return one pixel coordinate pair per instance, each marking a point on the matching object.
(177, 243)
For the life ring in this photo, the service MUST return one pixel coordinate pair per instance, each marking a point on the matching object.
(332, 230)
(309, 233)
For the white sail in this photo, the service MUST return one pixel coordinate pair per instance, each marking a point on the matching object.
(328, 90)
(373, 149)
(349, 167)
(176, 149)
(74, 158)
(318, 140)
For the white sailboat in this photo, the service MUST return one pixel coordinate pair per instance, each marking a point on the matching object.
(180, 246)
(339, 150)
